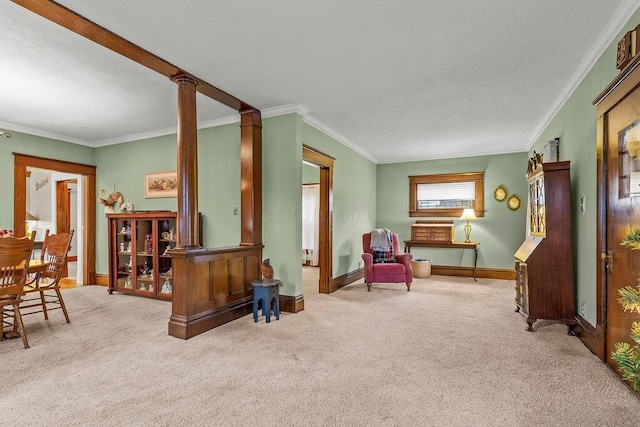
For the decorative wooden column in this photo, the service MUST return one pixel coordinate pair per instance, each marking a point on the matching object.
(187, 157)
(251, 177)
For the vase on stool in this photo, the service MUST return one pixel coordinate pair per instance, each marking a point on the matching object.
(266, 269)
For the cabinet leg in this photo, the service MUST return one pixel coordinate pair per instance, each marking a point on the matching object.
(530, 323)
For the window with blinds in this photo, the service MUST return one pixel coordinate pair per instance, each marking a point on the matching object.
(446, 194)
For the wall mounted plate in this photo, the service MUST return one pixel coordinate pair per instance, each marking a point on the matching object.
(514, 202)
(500, 193)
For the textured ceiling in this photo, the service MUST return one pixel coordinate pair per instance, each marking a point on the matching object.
(399, 80)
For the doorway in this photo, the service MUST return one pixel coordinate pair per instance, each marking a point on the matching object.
(86, 196)
(68, 217)
(325, 216)
(310, 228)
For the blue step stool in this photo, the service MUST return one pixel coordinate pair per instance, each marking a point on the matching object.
(267, 292)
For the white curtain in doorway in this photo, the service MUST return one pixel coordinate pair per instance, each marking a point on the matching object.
(310, 214)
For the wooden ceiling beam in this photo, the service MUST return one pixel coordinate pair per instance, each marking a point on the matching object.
(80, 25)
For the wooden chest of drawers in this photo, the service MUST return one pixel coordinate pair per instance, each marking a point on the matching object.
(439, 231)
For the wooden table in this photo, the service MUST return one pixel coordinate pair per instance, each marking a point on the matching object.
(445, 245)
(36, 266)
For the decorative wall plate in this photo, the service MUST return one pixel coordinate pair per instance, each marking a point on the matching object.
(500, 193)
(514, 202)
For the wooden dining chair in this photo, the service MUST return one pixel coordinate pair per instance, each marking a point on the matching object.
(47, 285)
(15, 254)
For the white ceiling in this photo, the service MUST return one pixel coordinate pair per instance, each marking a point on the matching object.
(402, 80)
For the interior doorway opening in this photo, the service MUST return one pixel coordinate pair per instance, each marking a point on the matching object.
(54, 203)
(324, 163)
(310, 227)
(85, 196)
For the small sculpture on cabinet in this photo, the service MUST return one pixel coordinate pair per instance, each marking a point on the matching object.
(108, 203)
(127, 207)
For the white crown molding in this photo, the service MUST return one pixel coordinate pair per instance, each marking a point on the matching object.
(222, 121)
(44, 134)
(285, 109)
(228, 120)
(267, 112)
(452, 155)
(135, 137)
(312, 121)
(607, 36)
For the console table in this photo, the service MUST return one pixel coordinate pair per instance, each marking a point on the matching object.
(445, 245)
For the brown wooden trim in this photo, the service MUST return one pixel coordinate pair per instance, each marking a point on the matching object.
(446, 177)
(346, 279)
(325, 251)
(591, 337)
(80, 25)
(186, 328)
(88, 172)
(187, 160)
(622, 85)
(598, 347)
(89, 236)
(20, 159)
(251, 178)
(19, 199)
(291, 304)
(414, 180)
(72, 258)
(484, 273)
(317, 157)
(63, 222)
(102, 279)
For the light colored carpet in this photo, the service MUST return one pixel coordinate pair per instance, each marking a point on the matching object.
(450, 352)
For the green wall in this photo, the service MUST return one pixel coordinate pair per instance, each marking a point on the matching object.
(281, 200)
(124, 166)
(575, 125)
(35, 146)
(500, 232)
(354, 198)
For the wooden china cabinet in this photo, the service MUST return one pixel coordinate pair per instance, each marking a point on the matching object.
(138, 259)
(544, 262)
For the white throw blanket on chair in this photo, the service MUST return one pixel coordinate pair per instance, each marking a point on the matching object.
(381, 240)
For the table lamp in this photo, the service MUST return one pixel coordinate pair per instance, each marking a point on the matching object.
(468, 215)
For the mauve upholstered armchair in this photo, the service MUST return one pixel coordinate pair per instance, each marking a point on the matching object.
(398, 272)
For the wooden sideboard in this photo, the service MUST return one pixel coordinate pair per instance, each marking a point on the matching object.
(445, 245)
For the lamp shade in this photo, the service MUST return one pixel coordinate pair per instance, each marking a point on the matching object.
(469, 214)
(30, 217)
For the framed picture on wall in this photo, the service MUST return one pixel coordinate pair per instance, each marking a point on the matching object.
(160, 184)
